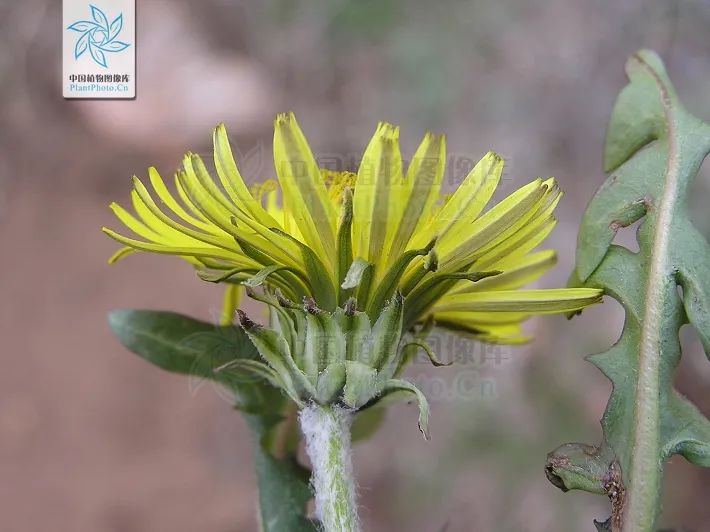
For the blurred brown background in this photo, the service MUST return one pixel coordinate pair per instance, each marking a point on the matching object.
(93, 439)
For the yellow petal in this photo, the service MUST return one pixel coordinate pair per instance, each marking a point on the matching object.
(380, 168)
(509, 333)
(167, 198)
(544, 207)
(150, 211)
(458, 249)
(517, 247)
(133, 223)
(203, 198)
(120, 254)
(214, 202)
(202, 251)
(420, 191)
(479, 319)
(179, 178)
(230, 303)
(232, 180)
(165, 234)
(469, 200)
(203, 192)
(545, 301)
(538, 216)
(304, 193)
(515, 273)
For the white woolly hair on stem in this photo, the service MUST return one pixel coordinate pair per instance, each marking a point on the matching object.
(326, 430)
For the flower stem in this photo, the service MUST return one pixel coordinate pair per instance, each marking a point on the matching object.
(327, 435)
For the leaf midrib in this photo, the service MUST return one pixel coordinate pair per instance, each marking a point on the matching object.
(644, 476)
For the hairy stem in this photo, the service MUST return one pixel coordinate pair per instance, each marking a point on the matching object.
(327, 434)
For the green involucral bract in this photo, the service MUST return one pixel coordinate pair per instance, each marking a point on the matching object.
(654, 149)
(338, 357)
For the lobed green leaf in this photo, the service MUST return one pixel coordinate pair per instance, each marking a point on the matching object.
(653, 150)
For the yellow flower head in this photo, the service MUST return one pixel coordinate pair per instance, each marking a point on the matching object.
(368, 235)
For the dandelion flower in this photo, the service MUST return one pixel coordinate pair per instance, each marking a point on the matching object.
(385, 230)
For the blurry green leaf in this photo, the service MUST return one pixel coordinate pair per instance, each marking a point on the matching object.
(654, 149)
(283, 483)
(184, 345)
(163, 338)
(367, 421)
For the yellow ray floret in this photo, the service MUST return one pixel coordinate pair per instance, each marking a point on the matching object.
(368, 235)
